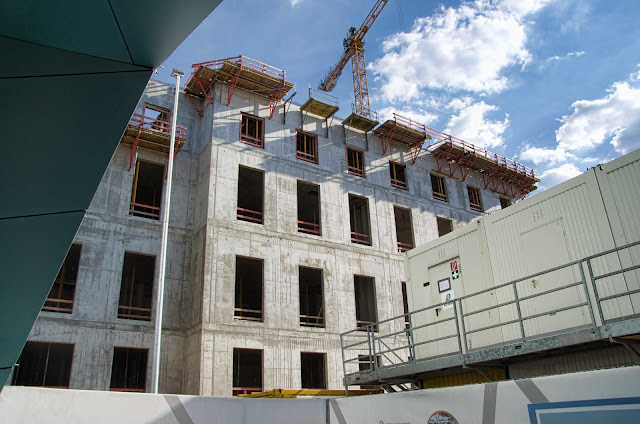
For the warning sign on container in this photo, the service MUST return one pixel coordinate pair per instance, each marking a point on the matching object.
(455, 272)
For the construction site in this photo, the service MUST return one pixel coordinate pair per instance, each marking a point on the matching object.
(313, 256)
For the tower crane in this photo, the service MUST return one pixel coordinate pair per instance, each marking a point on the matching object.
(354, 50)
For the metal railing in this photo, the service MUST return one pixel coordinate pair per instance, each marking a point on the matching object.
(156, 125)
(444, 330)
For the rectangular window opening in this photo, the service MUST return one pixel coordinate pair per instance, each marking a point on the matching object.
(311, 297)
(250, 195)
(247, 371)
(62, 293)
(439, 187)
(359, 219)
(355, 162)
(44, 364)
(398, 173)
(129, 370)
(365, 294)
(504, 202)
(404, 231)
(136, 288)
(475, 201)
(249, 289)
(306, 146)
(445, 226)
(146, 194)
(308, 208)
(312, 366)
(252, 130)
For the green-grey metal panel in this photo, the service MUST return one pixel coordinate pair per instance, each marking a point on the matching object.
(153, 29)
(63, 131)
(83, 26)
(32, 250)
(30, 59)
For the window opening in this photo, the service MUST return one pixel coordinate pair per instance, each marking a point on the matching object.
(504, 202)
(359, 217)
(129, 370)
(398, 173)
(147, 190)
(307, 146)
(247, 371)
(308, 208)
(62, 293)
(439, 187)
(311, 297)
(475, 201)
(365, 293)
(136, 288)
(250, 195)
(249, 292)
(44, 365)
(312, 366)
(252, 130)
(365, 363)
(405, 304)
(445, 226)
(355, 162)
(404, 232)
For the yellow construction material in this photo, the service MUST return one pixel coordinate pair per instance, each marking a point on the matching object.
(292, 394)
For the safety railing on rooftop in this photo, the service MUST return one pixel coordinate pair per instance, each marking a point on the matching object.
(155, 125)
(443, 138)
(242, 61)
(446, 329)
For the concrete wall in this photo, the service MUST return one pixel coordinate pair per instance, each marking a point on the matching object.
(205, 237)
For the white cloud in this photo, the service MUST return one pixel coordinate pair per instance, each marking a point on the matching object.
(464, 48)
(472, 125)
(615, 116)
(539, 155)
(560, 58)
(418, 115)
(294, 2)
(554, 176)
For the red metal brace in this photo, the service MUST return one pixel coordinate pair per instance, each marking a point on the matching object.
(414, 151)
(386, 137)
(232, 85)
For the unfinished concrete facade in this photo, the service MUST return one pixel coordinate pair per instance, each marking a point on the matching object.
(212, 243)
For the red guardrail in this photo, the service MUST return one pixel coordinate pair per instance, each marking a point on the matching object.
(157, 125)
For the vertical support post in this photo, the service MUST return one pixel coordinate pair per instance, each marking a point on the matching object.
(344, 366)
(464, 330)
(595, 293)
(412, 347)
(165, 233)
(455, 313)
(586, 293)
(515, 296)
(372, 348)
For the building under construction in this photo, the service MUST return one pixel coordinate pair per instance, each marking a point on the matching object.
(287, 229)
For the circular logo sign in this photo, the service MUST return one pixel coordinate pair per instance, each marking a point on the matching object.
(442, 417)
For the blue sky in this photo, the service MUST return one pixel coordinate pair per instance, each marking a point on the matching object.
(553, 84)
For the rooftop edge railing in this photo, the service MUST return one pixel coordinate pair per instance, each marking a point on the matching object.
(371, 345)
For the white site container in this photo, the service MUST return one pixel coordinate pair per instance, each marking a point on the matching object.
(589, 214)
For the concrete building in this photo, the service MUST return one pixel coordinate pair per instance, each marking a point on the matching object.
(285, 231)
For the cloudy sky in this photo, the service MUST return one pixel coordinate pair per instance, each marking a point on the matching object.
(554, 84)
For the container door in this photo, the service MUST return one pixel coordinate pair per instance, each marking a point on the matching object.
(545, 247)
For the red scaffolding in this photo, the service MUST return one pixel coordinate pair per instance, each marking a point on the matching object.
(237, 72)
(455, 156)
(404, 131)
(151, 133)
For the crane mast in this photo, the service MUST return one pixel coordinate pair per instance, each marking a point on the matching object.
(354, 50)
